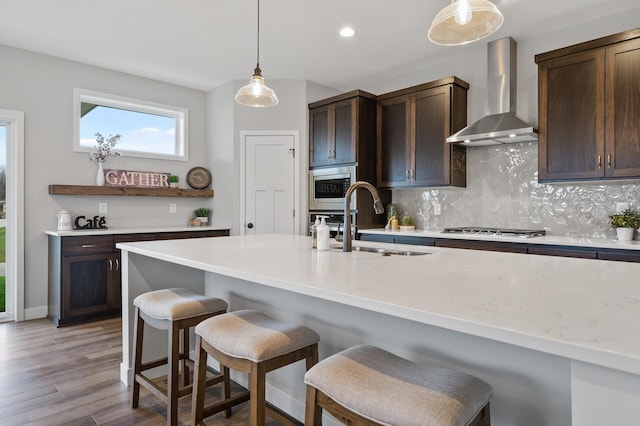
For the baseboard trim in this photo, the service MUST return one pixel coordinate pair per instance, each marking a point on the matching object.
(36, 313)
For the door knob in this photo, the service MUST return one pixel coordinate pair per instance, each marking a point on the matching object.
(249, 225)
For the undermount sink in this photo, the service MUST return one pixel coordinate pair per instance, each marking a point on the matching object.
(383, 251)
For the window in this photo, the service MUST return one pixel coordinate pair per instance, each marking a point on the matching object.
(148, 129)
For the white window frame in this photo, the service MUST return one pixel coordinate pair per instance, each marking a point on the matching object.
(181, 115)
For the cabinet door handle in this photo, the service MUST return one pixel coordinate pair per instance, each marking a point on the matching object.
(110, 265)
(407, 174)
(609, 160)
(413, 174)
(88, 245)
(599, 161)
(117, 265)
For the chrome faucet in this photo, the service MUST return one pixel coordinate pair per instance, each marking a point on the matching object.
(377, 206)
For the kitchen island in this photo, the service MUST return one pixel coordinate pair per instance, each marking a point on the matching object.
(555, 337)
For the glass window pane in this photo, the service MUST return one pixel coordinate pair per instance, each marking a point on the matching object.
(148, 129)
(140, 131)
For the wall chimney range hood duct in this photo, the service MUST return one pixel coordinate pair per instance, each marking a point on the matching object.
(502, 125)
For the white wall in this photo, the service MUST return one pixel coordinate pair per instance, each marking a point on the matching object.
(226, 119)
(42, 87)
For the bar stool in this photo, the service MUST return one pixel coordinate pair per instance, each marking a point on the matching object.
(174, 310)
(250, 342)
(366, 385)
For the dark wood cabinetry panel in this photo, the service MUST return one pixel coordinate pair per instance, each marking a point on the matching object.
(319, 151)
(87, 285)
(397, 239)
(623, 109)
(571, 110)
(192, 234)
(619, 255)
(394, 153)
(413, 124)
(589, 111)
(344, 133)
(85, 273)
(564, 251)
(524, 248)
(342, 129)
(483, 245)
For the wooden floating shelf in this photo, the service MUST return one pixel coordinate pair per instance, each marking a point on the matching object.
(129, 191)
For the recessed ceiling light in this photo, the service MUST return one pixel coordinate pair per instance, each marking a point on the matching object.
(347, 32)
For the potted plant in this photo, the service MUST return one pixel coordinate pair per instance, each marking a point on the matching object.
(406, 222)
(173, 181)
(202, 214)
(625, 223)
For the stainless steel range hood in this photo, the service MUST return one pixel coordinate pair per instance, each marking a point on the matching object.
(502, 126)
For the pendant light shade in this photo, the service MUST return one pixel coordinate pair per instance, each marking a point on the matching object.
(256, 93)
(465, 21)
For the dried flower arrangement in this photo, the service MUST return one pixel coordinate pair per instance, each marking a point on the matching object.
(104, 147)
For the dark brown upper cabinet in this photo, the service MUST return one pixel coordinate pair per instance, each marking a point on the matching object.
(342, 129)
(589, 110)
(413, 124)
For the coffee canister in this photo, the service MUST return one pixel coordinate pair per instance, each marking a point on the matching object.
(64, 221)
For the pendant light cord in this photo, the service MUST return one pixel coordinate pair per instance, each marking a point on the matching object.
(258, 39)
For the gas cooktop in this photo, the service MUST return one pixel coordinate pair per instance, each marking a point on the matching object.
(522, 233)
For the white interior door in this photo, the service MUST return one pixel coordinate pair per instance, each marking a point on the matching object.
(269, 182)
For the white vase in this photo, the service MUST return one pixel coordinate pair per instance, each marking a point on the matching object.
(203, 219)
(100, 175)
(625, 234)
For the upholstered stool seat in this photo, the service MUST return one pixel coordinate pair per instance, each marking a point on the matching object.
(370, 386)
(174, 310)
(251, 342)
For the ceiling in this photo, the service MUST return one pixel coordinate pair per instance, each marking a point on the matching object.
(205, 43)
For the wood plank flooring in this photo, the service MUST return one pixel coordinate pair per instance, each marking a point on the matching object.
(71, 376)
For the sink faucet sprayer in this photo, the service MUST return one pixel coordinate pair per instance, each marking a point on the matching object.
(377, 206)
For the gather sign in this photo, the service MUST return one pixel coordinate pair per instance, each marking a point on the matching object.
(136, 178)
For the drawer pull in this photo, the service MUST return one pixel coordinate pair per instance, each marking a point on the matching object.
(88, 245)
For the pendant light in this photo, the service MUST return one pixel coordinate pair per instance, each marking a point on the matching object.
(256, 93)
(465, 21)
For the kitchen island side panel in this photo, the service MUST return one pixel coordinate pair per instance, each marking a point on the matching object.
(531, 388)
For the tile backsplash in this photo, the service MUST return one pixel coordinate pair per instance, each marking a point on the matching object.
(503, 191)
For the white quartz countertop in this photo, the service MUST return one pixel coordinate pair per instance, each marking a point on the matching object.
(547, 239)
(581, 309)
(111, 231)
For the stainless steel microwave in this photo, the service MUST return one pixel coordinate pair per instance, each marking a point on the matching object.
(327, 187)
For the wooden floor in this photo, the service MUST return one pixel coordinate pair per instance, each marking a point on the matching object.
(71, 376)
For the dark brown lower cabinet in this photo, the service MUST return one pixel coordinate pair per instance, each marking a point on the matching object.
(87, 286)
(620, 255)
(85, 273)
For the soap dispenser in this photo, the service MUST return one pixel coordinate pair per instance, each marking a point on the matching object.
(314, 233)
(323, 234)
